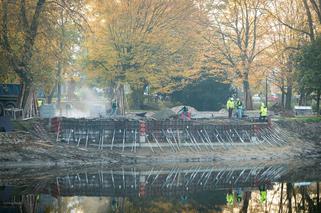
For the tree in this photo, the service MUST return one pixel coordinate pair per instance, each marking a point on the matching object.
(200, 94)
(144, 42)
(302, 17)
(309, 67)
(237, 37)
(20, 60)
(285, 44)
(27, 39)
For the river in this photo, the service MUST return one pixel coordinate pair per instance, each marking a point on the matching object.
(257, 186)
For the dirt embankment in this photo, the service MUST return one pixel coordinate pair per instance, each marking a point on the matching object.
(304, 128)
(26, 148)
(43, 153)
(31, 144)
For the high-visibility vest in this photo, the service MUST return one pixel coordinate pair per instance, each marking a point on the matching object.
(230, 104)
(39, 102)
(230, 199)
(239, 104)
(263, 195)
(264, 111)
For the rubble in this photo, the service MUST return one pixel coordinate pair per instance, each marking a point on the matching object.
(15, 137)
(164, 114)
(176, 109)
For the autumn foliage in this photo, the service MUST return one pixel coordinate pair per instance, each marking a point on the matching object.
(165, 44)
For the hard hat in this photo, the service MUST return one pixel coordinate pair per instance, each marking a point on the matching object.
(232, 99)
(237, 99)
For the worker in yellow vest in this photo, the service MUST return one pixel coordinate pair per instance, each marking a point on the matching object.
(263, 112)
(230, 198)
(230, 107)
(39, 102)
(263, 193)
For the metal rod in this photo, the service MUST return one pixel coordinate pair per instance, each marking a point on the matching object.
(150, 145)
(86, 139)
(124, 138)
(157, 142)
(102, 140)
(169, 142)
(175, 142)
(112, 140)
(69, 136)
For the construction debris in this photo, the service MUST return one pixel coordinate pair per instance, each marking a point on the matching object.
(164, 114)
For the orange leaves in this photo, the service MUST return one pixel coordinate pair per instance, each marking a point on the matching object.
(144, 40)
(238, 40)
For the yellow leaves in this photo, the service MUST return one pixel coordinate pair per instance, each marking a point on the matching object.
(239, 39)
(144, 41)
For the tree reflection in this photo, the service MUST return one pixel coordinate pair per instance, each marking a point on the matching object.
(247, 197)
(301, 197)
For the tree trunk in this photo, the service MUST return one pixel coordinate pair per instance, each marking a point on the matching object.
(120, 98)
(59, 68)
(289, 82)
(50, 96)
(310, 20)
(245, 206)
(288, 104)
(282, 97)
(20, 64)
(302, 98)
(247, 93)
(318, 192)
(29, 101)
(318, 101)
(60, 62)
(266, 92)
(307, 197)
(21, 95)
(289, 193)
(137, 97)
(281, 200)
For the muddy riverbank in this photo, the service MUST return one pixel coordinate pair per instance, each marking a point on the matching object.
(29, 149)
(305, 128)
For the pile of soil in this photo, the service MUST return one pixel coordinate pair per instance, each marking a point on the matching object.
(176, 109)
(164, 114)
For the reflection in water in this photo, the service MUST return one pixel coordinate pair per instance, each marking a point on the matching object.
(165, 189)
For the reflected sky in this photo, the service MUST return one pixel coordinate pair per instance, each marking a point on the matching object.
(259, 187)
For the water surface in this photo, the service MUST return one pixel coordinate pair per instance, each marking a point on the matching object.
(253, 187)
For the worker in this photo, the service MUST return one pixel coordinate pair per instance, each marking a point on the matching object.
(230, 107)
(184, 199)
(39, 102)
(114, 204)
(239, 108)
(263, 112)
(230, 198)
(263, 193)
(184, 114)
(239, 195)
(113, 107)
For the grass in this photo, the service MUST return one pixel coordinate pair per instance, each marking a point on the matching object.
(307, 119)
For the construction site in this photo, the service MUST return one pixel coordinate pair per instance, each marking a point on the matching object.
(142, 160)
